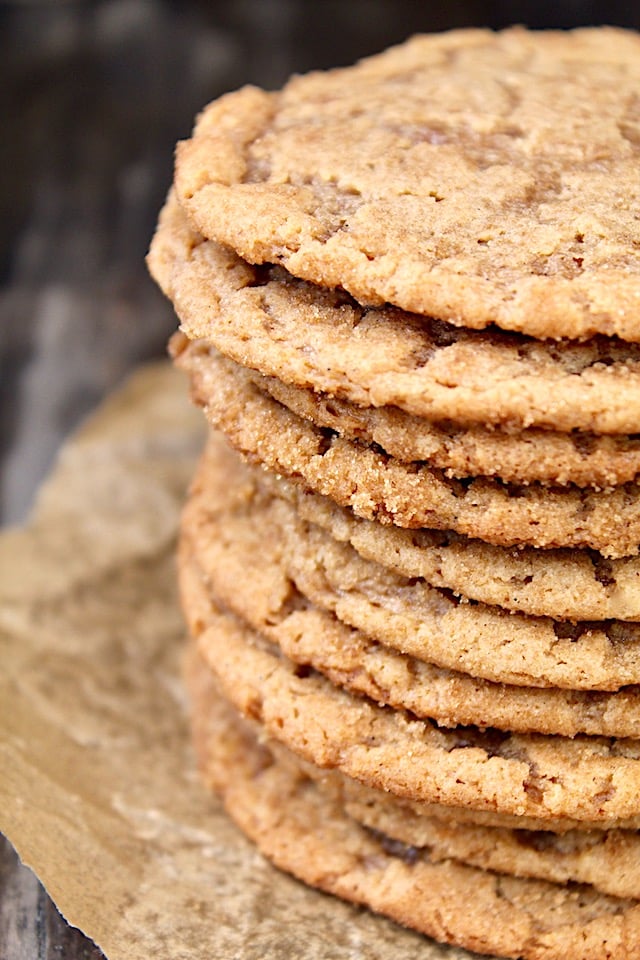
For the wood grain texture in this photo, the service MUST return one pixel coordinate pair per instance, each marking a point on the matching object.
(94, 96)
(30, 926)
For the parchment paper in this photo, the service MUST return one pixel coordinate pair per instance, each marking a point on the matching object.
(98, 791)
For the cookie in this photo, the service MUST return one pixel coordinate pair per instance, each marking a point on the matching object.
(561, 584)
(410, 495)
(311, 637)
(476, 177)
(305, 832)
(585, 778)
(352, 792)
(605, 859)
(417, 619)
(234, 529)
(324, 340)
(530, 456)
(249, 553)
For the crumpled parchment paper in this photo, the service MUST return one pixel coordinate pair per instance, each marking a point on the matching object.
(98, 791)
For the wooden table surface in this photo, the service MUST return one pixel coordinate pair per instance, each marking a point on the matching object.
(94, 96)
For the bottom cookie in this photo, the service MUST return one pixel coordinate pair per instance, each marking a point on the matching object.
(307, 833)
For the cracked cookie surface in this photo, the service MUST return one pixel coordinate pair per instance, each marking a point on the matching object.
(476, 177)
(321, 339)
(379, 487)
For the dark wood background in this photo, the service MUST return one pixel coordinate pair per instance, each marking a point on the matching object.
(93, 96)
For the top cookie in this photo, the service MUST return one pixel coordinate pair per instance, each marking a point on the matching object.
(475, 177)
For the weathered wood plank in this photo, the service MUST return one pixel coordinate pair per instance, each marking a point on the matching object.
(30, 926)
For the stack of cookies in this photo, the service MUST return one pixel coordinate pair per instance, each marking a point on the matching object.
(409, 298)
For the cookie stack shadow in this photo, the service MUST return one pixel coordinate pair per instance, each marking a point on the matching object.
(409, 557)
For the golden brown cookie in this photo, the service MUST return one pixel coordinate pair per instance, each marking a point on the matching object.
(476, 177)
(605, 859)
(562, 584)
(608, 860)
(306, 832)
(586, 778)
(529, 456)
(294, 583)
(351, 791)
(311, 637)
(409, 495)
(304, 335)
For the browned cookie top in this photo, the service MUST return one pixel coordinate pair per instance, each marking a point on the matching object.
(476, 177)
(313, 337)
